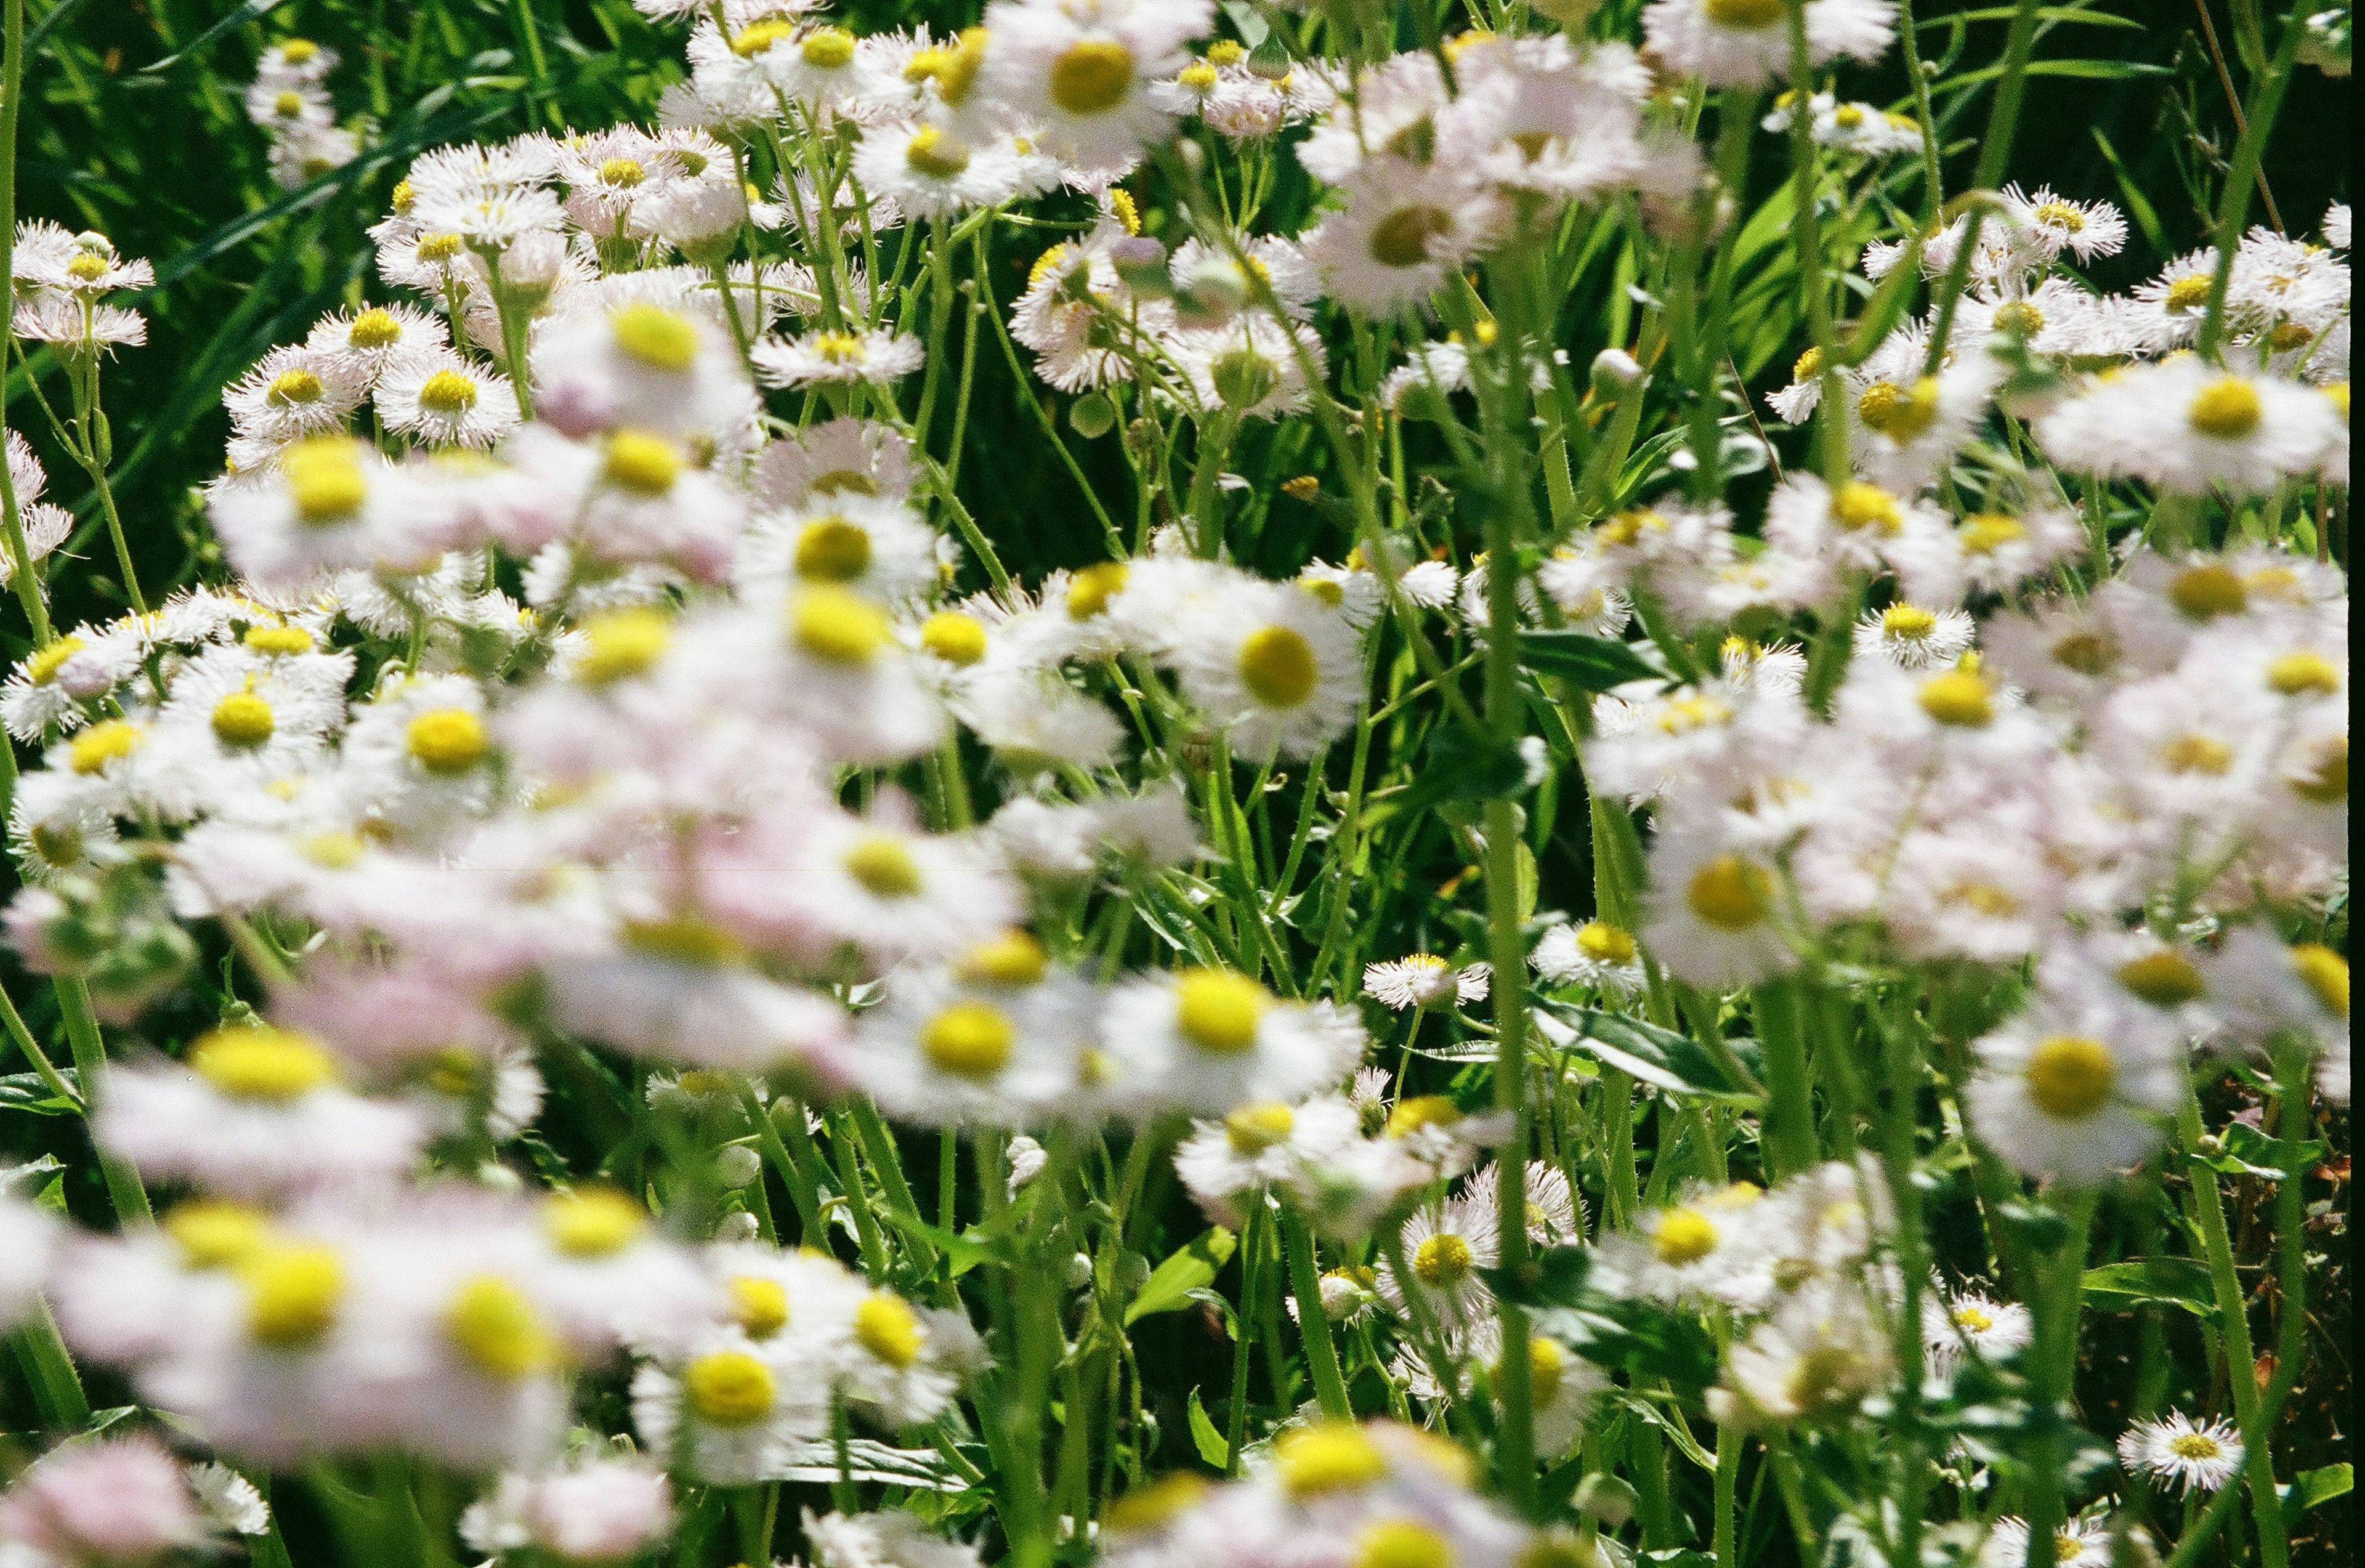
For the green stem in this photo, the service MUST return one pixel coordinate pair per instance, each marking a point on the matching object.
(12, 95)
(90, 1071)
(1791, 1111)
(2232, 1312)
(1306, 1283)
(1995, 156)
(2234, 207)
(2054, 1360)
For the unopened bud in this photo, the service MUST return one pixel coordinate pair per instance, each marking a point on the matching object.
(735, 1165)
(1245, 378)
(1615, 371)
(1140, 263)
(1270, 60)
(1092, 416)
(1606, 1498)
(737, 1225)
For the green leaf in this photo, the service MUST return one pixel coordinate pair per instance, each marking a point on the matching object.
(2167, 1281)
(2311, 1487)
(2139, 206)
(963, 1252)
(1554, 1277)
(26, 1092)
(1657, 1057)
(2043, 14)
(2250, 1152)
(1590, 664)
(1169, 1284)
(1458, 764)
(1213, 1450)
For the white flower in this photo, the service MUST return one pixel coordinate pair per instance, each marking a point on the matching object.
(929, 173)
(1444, 1245)
(1207, 1040)
(1082, 70)
(297, 391)
(2177, 1450)
(889, 1539)
(1271, 665)
(1424, 981)
(444, 399)
(2074, 1087)
(2187, 427)
(1912, 637)
(2079, 1543)
(824, 358)
(1596, 954)
(1405, 228)
(1746, 43)
(1971, 1321)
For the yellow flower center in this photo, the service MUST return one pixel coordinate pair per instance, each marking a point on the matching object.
(292, 1293)
(1401, 1543)
(495, 1326)
(324, 480)
(2228, 408)
(1219, 1012)
(833, 550)
(643, 463)
(1604, 943)
(1253, 1129)
(888, 1328)
(2303, 673)
(298, 51)
(2325, 972)
(1013, 958)
(243, 719)
(729, 1388)
(1745, 16)
(2060, 215)
(1972, 1319)
(287, 104)
(756, 36)
(836, 627)
(42, 666)
(828, 48)
(884, 865)
(1908, 622)
(107, 741)
(1682, 1236)
(759, 1305)
(402, 197)
(2019, 317)
(1442, 1260)
(2069, 1076)
(1420, 1110)
(1278, 666)
(1898, 412)
(2206, 591)
(1985, 532)
(1334, 1457)
(1199, 78)
(659, 338)
(623, 642)
(932, 152)
(2189, 292)
(262, 1064)
(1147, 1507)
(2325, 781)
(1402, 239)
(1960, 698)
(213, 1233)
(1848, 117)
(1092, 77)
(448, 742)
(626, 173)
(1727, 894)
(1090, 590)
(956, 638)
(375, 328)
(2164, 978)
(2198, 754)
(448, 392)
(968, 1040)
(2194, 1445)
(438, 250)
(332, 851)
(592, 1222)
(1807, 365)
(293, 386)
(283, 639)
(1856, 506)
(1325, 590)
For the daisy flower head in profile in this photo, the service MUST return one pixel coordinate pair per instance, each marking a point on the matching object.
(2188, 427)
(827, 358)
(1596, 954)
(1746, 43)
(1208, 1040)
(1423, 981)
(1968, 1321)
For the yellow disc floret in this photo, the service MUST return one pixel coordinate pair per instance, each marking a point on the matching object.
(729, 1388)
(2325, 972)
(886, 1326)
(1401, 1543)
(954, 637)
(1092, 76)
(325, 479)
(2069, 1076)
(292, 1293)
(760, 1307)
(968, 1040)
(266, 1064)
(1682, 1236)
(1220, 1011)
(1729, 894)
(1278, 666)
(2228, 408)
(2164, 978)
(641, 462)
(1013, 958)
(837, 627)
(882, 864)
(659, 338)
(1332, 1457)
(1604, 943)
(495, 1326)
(242, 719)
(448, 742)
(623, 642)
(214, 1233)
(1442, 1261)
(592, 1222)
(833, 550)
(1960, 698)
(1253, 1129)
(1090, 590)
(109, 740)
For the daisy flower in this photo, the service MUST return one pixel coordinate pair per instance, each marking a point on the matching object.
(1912, 637)
(1208, 1040)
(2079, 1543)
(1971, 1321)
(1083, 70)
(1746, 43)
(375, 334)
(2187, 427)
(1597, 954)
(1444, 1245)
(2177, 1451)
(825, 358)
(2074, 1087)
(444, 399)
(1405, 228)
(1275, 667)
(1424, 981)
(297, 390)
